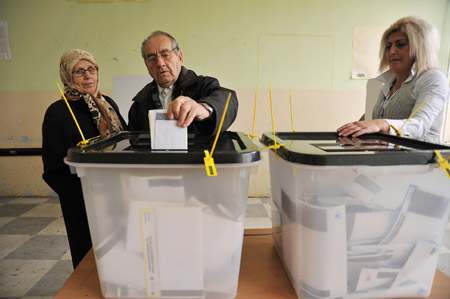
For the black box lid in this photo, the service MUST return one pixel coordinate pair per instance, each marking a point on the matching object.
(327, 148)
(134, 148)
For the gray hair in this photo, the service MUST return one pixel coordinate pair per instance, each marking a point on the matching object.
(423, 41)
(158, 33)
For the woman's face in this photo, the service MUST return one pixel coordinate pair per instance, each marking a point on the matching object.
(87, 82)
(397, 53)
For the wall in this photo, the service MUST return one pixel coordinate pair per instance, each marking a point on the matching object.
(301, 45)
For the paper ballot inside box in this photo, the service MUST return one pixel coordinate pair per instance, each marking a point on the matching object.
(148, 192)
(408, 253)
(164, 133)
(173, 251)
(322, 264)
(171, 262)
(388, 249)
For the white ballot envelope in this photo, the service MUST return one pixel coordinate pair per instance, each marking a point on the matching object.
(362, 187)
(173, 251)
(322, 250)
(164, 133)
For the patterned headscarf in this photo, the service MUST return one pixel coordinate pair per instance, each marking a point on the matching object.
(103, 115)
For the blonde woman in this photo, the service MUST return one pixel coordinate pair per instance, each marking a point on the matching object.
(408, 52)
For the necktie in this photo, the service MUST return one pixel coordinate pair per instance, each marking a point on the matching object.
(163, 97)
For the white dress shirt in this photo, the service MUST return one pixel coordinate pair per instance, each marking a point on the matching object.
(426, 124)
(165, 95)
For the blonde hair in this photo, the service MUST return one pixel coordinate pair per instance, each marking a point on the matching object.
(423, 41)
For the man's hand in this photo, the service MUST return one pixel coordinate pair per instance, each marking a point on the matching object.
(185, 110)
(358, 128)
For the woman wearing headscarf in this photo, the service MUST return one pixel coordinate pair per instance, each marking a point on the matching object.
(96, 114)
(408, 51)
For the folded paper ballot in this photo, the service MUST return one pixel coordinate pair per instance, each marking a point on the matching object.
(362, 255)
(328, 200)
(153, 188)
(421, 212)
(368, 227)
(166, 191)
(322, 250)
(416, 272)
(164, 133)
(134, 229)
(222, 239)
(419, 267)
(375, 278)
(364, 261)
(122, 267)
(362, 187)
(173, 251)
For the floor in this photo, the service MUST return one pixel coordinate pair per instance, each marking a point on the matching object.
(34, 254)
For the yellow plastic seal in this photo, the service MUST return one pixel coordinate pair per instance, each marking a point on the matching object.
(443, 163)
(292, 114)
(396, 130)
(209, 164)
(252, 135)
(208, 159)
(83, 142)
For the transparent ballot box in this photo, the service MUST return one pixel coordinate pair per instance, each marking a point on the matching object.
(160, 226)
(358, 217)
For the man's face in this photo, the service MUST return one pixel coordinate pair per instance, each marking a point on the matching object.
(163, 64)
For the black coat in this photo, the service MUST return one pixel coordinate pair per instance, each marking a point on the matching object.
(59, 133)
(199, 88)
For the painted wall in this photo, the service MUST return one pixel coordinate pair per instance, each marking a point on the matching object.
(298, 44)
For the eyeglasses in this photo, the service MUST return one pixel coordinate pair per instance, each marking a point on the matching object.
(152, 59)
(81, 72)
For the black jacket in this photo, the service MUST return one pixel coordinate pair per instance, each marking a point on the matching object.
(199, 88)
(59, 133)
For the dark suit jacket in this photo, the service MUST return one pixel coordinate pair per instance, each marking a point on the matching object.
(201, 89)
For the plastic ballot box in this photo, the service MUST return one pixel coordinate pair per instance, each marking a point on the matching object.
(160, 226)
(357, 217)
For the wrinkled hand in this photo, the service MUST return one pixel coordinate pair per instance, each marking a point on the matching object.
(186, 110)
(358, 128)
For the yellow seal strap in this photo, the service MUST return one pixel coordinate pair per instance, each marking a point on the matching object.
(252, 135)
(396, 130)
(412, 114)
(83, 142)
(292, 115)
(275, 146)
(443, 163)
(208, 159)
(209, 164)
(86, 142)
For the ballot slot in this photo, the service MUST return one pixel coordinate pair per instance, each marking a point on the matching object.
(128, 143)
